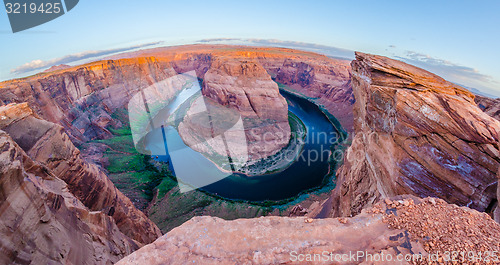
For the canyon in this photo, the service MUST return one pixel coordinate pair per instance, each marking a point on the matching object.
(83, 98)
(62, 119)
(489, 105)
(412, 135)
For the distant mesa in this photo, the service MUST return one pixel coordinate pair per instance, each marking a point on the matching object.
(57, 68)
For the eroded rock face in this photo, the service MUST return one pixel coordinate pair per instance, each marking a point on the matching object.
(327, 81)
(492, 108)
(82, 99)
(246, 87)
(392, 227)
(47, 143)
(415, 133)
(489, 105)
(43, 223)
(496, 214)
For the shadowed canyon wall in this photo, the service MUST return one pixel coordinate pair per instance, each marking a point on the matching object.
(414, 133)
(43, 223)
(48, 144)
(68, 106)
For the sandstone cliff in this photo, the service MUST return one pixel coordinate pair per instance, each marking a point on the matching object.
(82, 99)
(406, 226)
(85, 99)
(47, 143)
(43, 223)
(496, 213)
(489, 105)
(415, 133)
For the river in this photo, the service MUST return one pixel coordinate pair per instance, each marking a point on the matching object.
(306, 172)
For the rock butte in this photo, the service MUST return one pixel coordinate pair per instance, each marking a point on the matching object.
(244, 86)
(46, 115)
(81, 98)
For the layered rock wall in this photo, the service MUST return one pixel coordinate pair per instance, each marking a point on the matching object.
(48, 144)
(243, 86)
(415, 133)
(489, 105)
(43, 223)
(496, 213)
(82, 99)
(328, 82)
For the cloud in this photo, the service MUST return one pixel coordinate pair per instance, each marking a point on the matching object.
(453, 72)
(39, 64)
(444, 67)
(323, 49)
(218, 39)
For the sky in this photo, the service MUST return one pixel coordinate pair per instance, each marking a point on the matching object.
(458, 40)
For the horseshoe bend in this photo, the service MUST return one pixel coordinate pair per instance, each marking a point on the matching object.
(258, 151)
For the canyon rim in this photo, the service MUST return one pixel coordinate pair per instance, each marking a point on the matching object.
(74, 189)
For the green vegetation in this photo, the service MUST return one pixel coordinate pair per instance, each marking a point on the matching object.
(296, 125)
(176, 208)
(130, 171)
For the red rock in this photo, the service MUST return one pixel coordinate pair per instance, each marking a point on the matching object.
(496, 214)
(327, 81)
(279, 240)
(81, 98)
(43, 223)
(47, 143)
(415, 133)
(245, 87)
(270, 240)
(489, 105)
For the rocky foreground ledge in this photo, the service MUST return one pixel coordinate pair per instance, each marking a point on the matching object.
(415, 229)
